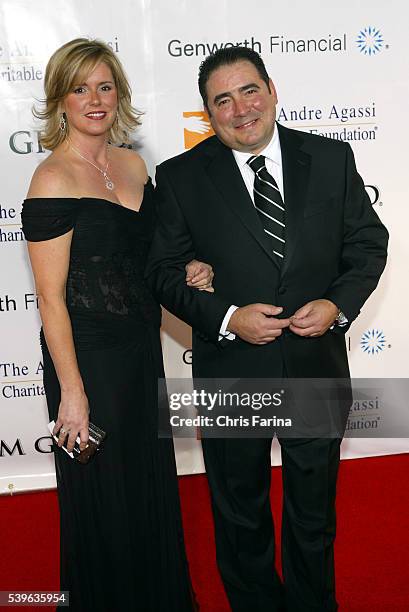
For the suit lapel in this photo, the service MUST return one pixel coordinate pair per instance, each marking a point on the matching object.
(296, 172)
(225, 175)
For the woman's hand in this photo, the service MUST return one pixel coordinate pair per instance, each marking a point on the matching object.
(72, 419)
(199, 275)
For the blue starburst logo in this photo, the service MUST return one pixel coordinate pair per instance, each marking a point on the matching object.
(373, 341)
(370, 41)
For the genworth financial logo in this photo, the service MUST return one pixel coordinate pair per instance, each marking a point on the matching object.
(373, 341)
(370, 41)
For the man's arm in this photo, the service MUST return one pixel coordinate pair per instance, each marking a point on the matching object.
(363, 259)
(364, 251)
(172, 248)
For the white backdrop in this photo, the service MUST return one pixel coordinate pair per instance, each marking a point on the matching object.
(338, 73)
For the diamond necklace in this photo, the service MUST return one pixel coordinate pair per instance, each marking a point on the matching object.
(109, 184)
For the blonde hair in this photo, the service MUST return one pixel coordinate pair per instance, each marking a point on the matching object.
(71, 64)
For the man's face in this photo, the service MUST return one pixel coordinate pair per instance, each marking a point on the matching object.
(242, 110)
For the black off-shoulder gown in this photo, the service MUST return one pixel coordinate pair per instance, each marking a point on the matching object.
(121, 535)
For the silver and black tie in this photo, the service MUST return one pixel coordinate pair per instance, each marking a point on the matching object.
(269, 205)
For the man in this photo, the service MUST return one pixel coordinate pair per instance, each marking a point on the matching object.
(284, 219)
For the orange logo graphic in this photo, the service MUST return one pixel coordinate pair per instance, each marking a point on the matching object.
(196, 127)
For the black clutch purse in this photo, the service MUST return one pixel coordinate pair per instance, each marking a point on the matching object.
(95, 440)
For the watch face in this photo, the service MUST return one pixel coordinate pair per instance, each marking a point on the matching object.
(341, 318)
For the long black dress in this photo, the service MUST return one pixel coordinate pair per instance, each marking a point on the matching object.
(121, 536)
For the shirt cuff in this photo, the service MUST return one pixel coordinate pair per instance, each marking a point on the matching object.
(224, 334)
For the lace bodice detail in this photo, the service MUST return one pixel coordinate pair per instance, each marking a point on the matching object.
(109, 248)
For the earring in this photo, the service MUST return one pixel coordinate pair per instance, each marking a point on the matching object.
(63, 123)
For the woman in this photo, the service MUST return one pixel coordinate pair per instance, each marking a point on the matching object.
(88, 219)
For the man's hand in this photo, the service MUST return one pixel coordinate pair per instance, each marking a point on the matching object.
(314, 319)
(256, 323)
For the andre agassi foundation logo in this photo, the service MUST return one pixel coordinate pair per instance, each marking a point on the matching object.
(196, 127)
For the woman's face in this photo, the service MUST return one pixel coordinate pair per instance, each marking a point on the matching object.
(91, 107)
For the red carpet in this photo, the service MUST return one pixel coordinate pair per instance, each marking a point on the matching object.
(372, 549)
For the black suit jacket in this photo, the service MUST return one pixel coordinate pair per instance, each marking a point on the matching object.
(335, 249)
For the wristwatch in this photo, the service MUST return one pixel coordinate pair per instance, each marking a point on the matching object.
(341, 319)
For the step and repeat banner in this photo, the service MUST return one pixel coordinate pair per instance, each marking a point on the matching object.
(340, 73)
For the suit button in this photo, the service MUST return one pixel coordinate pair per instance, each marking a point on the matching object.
(282, 290)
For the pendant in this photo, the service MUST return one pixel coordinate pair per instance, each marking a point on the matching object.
(108, 183)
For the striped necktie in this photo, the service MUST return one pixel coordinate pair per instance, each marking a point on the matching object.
(269, 205)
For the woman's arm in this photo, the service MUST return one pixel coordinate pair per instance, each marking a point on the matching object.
(50, 263)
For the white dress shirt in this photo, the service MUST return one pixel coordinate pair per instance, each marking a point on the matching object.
(272, 153)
